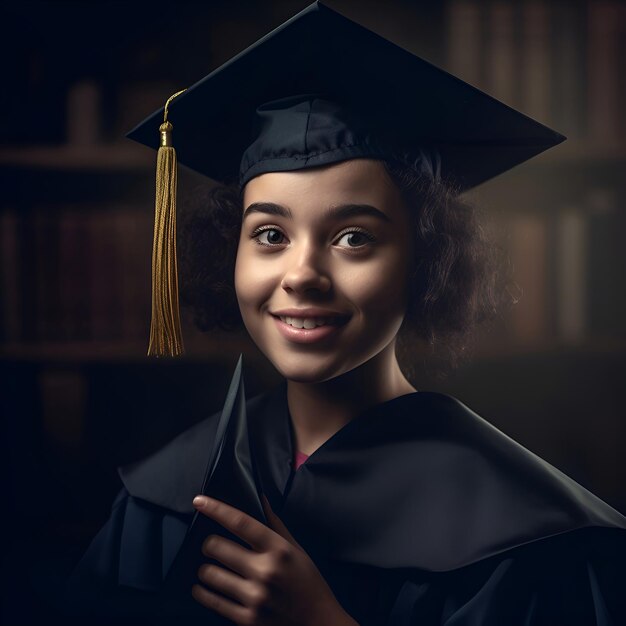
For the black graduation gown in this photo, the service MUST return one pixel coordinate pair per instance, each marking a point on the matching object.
(417, 512)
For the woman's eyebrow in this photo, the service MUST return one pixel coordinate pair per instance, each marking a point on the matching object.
(268, 207)
(338, 212)
(355, 210)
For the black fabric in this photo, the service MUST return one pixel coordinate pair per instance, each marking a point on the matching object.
(400, 100)
(418, 511)
(309, 130)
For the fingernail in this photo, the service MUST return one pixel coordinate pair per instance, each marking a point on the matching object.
(199, 501)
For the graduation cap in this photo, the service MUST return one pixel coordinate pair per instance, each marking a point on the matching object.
(320, 89)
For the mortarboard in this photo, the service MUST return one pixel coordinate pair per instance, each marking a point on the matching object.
(320, 89)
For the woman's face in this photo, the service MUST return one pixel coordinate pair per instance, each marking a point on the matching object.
(328, 245)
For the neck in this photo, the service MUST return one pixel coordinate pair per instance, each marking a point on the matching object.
(319, 410)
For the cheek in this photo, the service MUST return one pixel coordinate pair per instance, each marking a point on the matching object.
(244, 282)
(379, 288)
(252, 282)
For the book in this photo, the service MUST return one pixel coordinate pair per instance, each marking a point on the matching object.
(9, 284)
(529, 235)
(605, 72)
(569, 73)
(607, 259)
(501, 75)
(106, 268)
(74, 273)
(133, 235)
(571, 274)
(535, 71)
(463, 35)
(83, 117)
(40, 278)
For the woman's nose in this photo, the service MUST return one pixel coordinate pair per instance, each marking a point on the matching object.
(305, 272)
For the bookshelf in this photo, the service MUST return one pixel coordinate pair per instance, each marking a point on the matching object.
(583, 184)
(562, 212)
(70, 205)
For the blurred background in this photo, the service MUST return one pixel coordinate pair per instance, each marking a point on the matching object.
(78, 395)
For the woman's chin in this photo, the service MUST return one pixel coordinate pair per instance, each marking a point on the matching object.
(299, 376)
(306, 371)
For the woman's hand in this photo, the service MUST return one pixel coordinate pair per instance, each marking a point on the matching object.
(274, 584)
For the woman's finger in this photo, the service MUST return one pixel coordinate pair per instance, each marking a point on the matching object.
(217, 578)
(229, 609)
(242, 525)
(229, 553)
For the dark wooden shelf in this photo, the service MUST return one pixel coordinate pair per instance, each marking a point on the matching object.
(216, 348)
(196, 350)
(125, 170)
(126, 155)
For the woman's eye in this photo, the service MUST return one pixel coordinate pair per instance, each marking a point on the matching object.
(356, 239)
(268, 237)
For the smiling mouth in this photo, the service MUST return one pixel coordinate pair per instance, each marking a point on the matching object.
(309, 330)
(309, 323)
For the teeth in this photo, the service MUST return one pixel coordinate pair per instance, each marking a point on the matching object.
(306, 322)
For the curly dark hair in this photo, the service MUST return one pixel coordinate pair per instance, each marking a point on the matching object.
(459, 280)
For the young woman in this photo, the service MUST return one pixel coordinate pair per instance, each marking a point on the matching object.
(381, 503)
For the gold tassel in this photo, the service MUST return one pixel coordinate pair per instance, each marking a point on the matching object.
(165, 332)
